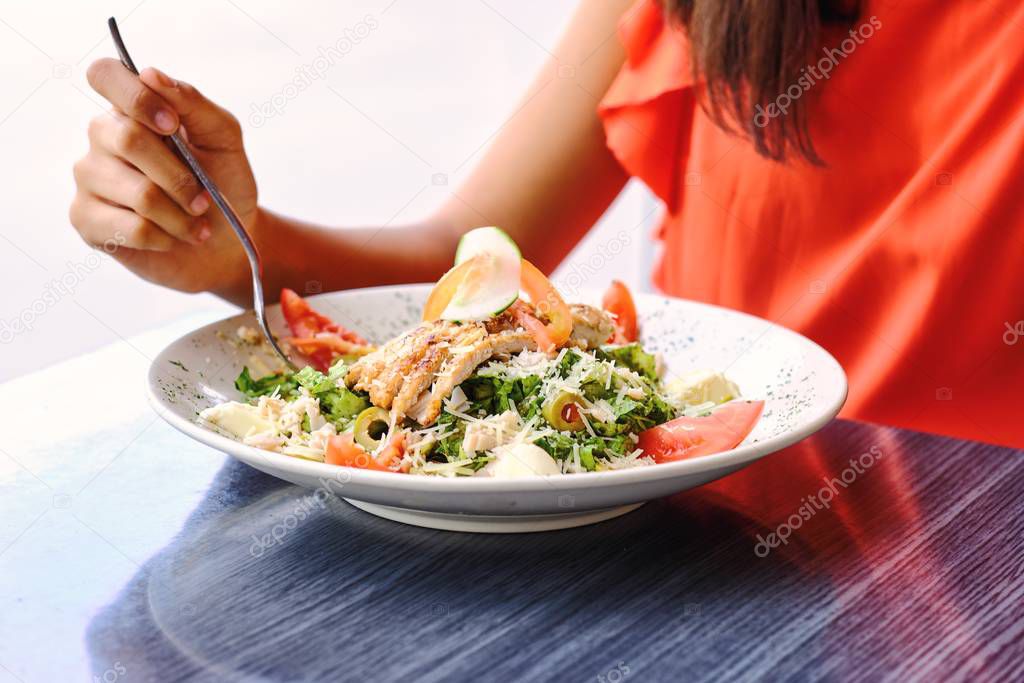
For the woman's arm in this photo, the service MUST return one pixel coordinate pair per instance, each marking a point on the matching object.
(546, 179)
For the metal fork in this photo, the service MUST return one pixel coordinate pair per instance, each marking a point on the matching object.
(222, 203)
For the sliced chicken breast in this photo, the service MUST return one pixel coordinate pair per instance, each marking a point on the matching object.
(591, 326)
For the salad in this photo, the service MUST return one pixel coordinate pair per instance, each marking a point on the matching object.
(502, 378)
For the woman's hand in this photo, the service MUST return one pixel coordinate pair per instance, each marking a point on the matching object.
(133, 190)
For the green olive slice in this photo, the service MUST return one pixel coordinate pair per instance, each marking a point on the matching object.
(371, 426)
(562, 412)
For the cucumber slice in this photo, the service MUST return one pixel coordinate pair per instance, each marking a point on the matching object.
(492, 284)
(489, 239)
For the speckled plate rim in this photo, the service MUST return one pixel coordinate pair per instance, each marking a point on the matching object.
(741, 455)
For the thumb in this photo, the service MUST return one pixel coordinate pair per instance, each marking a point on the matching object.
(208, 125)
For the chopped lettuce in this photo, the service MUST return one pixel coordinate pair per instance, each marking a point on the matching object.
(264, 386)
(569, 359)
(631, 356)
(342, 405)
(338, 371)
(494, 395)
(561, 445)
(337, 403)
(633, 416)
(624, 405)
(450, 447)
(315, 382)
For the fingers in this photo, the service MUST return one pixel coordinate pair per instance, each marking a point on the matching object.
(115, 182)
(125, 91)
(161, 103)
(120, 136)
(209, 126)
(98, 222)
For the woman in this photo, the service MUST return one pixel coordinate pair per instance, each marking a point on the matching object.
(845, 170)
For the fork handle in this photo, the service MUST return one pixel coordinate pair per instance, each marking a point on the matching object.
(255, 262)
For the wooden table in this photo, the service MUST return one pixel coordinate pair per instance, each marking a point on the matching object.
(129, 552)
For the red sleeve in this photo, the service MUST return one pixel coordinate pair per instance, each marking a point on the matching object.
(648, 110)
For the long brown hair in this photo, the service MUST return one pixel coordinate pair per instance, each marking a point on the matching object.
(749, 52)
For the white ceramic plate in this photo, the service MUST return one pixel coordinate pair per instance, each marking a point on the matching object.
(802, 385)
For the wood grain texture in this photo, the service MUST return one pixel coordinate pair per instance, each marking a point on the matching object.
(915, 571)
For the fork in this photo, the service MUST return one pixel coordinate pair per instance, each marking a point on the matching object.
(255, 264)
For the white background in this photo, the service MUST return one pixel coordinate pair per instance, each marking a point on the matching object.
(430, 86)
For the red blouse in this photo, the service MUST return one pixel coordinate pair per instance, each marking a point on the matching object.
(904, 255)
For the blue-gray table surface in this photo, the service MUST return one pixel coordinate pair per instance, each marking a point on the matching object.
(129, 552)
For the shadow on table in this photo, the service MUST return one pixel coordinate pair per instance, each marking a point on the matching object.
(267, 581)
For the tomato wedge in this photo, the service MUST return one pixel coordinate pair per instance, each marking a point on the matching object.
(549, 303)
(326, 340)
(619, 302)
(308, 325)
(690, 437)
(343, 450)
(543, 295)
(534, 326)
(393, 450)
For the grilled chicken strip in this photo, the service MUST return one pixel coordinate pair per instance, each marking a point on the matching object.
(413, 374)
(591, 326)
(410, 362)
(461, 364)
(382, 372)
(368, 367)
(466, 336)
